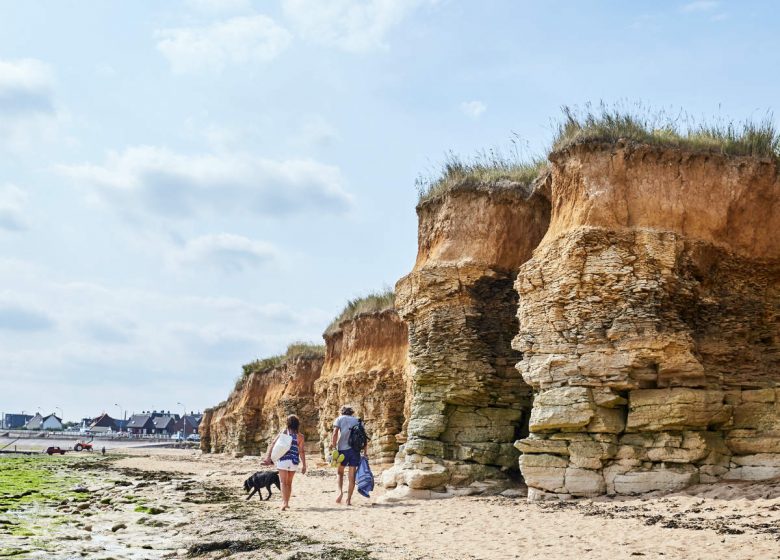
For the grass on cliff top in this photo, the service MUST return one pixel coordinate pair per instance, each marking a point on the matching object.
(484, 168)
(605, 123)
(294, 350)
(610, 123)
(374, 302)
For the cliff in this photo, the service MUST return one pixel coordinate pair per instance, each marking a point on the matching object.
(257, 409)
(649, 322)
(468, 402)
(365, 367)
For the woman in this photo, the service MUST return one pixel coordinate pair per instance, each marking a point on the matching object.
(288, 463)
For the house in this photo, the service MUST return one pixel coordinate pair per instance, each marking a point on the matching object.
(103, 423)
(188, 424)
(13, 421)
(38, 422)
(141, 424)
(164, 424)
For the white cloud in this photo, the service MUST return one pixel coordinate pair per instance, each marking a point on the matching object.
(12, 201)
(227, 251)
(238, 40)
(141, 348)
(27, 110)
(473, 109)
(699, 6)
(352, 25)
(79, 334)
(149, 180)
(25, 87)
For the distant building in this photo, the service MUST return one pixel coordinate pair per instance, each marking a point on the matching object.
(192, 422)
(103, 423)
(14, 421)
(50, 422)
(160, 423)
(141, 424)
(163, 425)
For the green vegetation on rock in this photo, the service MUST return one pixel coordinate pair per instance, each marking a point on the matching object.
(603, 124)
(483, 170)
(33, 479)
(610, 123)
(150, 510)
(374, 302)
(32, 485)
(294, 351)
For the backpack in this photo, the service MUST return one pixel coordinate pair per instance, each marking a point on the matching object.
(357, 437)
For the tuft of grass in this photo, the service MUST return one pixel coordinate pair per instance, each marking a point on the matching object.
(610, 123)
(294, 350)
(304, 350)
(374, 302)
(486, 168)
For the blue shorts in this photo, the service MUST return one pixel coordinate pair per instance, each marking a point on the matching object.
(351, 457)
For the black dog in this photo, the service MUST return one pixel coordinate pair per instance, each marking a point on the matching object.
(261, 480)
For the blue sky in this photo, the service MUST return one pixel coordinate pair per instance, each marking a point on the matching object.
(189, 185)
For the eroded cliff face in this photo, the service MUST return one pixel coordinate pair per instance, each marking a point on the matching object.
(257, 410)
(365, 366)
(650, 323)
(468, 402)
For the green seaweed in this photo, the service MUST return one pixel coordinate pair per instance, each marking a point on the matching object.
(151, 510)
(29, 482)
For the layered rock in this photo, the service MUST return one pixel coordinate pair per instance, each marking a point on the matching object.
(257, 409)
(468, 402)
(650, 322)
(365, 366)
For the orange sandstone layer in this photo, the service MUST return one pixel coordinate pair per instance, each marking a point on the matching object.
(365, 366)
(256, 411)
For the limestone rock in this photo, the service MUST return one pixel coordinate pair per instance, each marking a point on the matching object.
(761, 466)
(546, 472)
(536, 444)
(649, 318)
(469, 404)
(584, 482)
(676, 409)
(563, 407)
(659, 477)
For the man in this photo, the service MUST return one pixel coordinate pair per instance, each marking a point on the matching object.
(340, 444)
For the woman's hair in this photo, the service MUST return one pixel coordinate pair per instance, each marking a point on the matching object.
(347, 410)
(293, 423)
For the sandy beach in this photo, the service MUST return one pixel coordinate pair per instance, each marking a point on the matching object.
(177, 504)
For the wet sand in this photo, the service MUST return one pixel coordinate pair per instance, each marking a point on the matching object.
(163, 503)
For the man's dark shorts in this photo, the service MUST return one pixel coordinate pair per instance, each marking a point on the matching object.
(351, 457)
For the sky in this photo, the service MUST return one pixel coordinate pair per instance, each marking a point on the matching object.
(189, 185)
